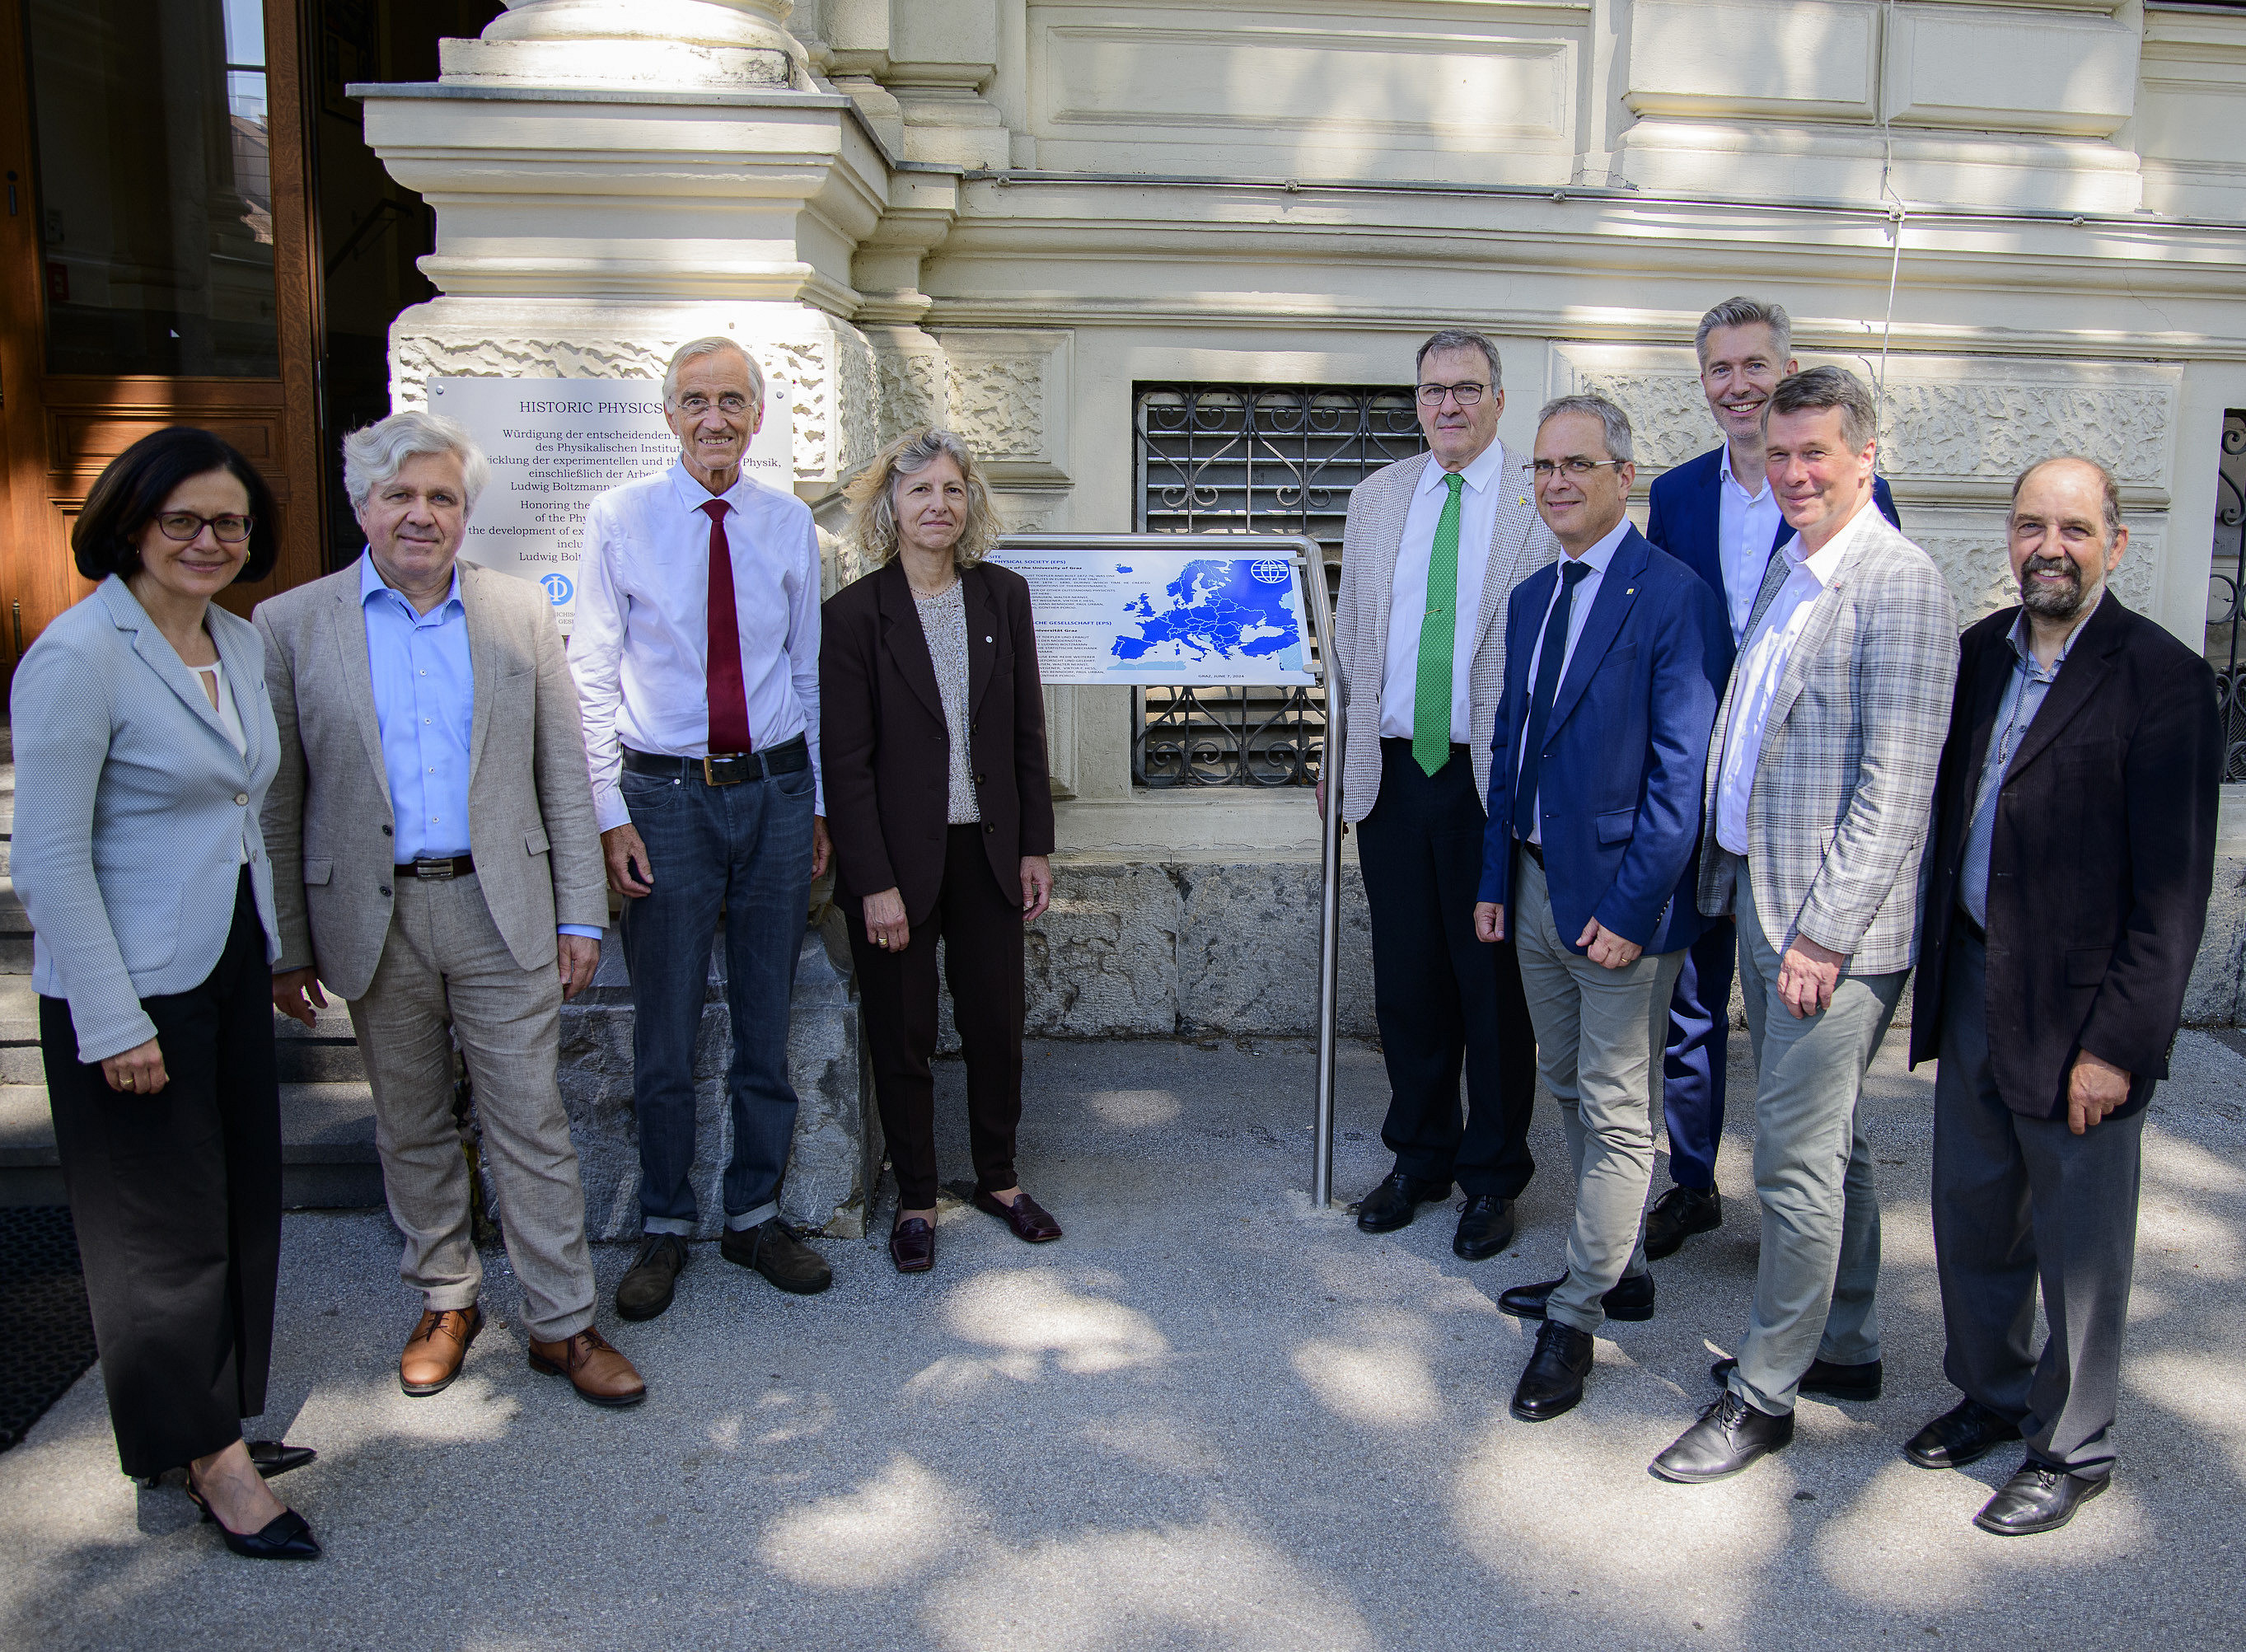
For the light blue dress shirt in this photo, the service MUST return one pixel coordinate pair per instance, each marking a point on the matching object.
(2025, 690)
(425, 701)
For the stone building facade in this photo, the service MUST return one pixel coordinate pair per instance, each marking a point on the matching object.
(2025, 221)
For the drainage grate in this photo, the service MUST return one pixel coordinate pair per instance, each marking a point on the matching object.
(42, 1302)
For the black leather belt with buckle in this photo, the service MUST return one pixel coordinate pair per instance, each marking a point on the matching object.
(1534, 851)
(724, 768)
(445, 866)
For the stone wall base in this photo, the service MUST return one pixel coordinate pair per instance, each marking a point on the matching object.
(837, 1156)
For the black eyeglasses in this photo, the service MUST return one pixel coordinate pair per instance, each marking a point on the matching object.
(1468, 394)
(1578, 465)
(695, 407)
(227, 529)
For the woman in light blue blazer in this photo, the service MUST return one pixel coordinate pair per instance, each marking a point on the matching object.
(144, 745)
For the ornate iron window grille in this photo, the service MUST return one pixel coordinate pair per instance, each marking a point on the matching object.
(1252, 459)
(2225, 587)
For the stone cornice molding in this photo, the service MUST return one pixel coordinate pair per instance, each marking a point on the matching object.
(763, 194)
(1844, 340)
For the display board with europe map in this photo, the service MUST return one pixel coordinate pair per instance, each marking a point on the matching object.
(1135, 613)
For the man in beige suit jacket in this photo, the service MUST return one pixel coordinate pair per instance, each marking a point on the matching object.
(1434, 547)
(436, 863)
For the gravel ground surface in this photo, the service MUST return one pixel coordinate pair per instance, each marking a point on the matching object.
(1210, 1417)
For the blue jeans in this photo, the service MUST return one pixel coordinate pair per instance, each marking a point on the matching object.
(745, 851)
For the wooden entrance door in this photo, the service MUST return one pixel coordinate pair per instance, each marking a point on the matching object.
(154, 267)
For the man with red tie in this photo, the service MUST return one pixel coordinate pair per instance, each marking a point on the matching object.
(696, 657)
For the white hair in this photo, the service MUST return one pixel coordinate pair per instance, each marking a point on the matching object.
(374, 455)
(693, 348)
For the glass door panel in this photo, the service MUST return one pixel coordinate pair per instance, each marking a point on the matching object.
(156, 191)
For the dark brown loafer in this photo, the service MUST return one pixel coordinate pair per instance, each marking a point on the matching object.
(1031, 1222)
(598, 1372)
(774, 1251)
(437, 1349)
(912, 1245)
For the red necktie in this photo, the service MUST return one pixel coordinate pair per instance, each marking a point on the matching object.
(729, 699)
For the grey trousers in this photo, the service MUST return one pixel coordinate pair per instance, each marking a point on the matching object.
(2018, 1200)
(1817, 1282)
(446, 971)
(1599, 1035)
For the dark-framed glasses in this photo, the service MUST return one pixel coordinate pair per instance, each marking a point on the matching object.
(1575, 465)
(695, 407)
(227, 529)
(1467, 394)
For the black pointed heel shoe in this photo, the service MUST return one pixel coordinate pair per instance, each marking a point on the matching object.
(286, 1536)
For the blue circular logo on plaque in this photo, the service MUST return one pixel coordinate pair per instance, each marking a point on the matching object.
(1273, 573)
(558, 589)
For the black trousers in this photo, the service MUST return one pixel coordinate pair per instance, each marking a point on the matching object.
(177, 1201)
(1443, 999)
(980, 926)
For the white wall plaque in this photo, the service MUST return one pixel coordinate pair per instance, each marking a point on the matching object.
(1134, 613)
(556, 445)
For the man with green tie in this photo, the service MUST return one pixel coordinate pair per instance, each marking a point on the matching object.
(1434, 546)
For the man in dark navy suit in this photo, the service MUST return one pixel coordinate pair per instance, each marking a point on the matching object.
(1717, 515)
(1612, 661)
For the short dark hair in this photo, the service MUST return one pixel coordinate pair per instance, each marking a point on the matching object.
(1819, 387)
(1463, 338)
(127, 496)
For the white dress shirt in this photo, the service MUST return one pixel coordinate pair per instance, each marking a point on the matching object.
(1746, 526)
(1408, 602)
(1587, 588)
(640, 651)
(1761, 668)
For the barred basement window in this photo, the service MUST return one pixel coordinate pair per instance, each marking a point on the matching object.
(1252, 459)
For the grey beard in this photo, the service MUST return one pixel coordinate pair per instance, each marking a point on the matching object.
(2047, 601)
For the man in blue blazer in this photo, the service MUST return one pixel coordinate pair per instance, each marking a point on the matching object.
(1614, 656)
(1717, 515)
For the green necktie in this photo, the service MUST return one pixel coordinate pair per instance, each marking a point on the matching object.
(1438, 632)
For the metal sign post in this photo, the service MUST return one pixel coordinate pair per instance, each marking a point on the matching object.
(1306, 562)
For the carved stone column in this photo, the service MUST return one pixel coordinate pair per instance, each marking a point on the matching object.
(678, 44)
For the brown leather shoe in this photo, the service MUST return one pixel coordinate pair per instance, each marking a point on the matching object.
(912, 1245)
(1031, 1222)
(601, 1376)
(438, 1348)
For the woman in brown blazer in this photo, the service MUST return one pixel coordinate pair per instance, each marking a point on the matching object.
(932, 741)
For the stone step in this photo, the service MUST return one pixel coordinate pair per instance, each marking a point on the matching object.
(327, 1147)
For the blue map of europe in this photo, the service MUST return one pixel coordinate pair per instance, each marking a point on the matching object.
(1239, 608)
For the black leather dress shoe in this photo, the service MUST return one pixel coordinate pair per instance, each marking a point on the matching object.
(1631, 1299)
(1823, 1378)
(285, 1537)
(1553, 1381)
(2037, 1499)
(1678, 1215)
(1730, 1435)
(1393, 1205)
(276, 1457)
(1959, 1437)
(1485, 1227)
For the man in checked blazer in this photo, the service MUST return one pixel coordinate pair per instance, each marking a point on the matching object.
(1819, 776)
(1434, 547)
(437, 865)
